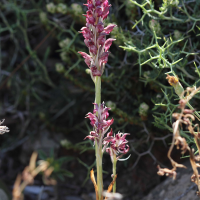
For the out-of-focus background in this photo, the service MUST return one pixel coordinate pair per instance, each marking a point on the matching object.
(45, 93)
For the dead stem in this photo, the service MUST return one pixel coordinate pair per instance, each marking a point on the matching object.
(185, 117)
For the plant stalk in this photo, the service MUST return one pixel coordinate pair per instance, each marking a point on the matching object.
(114, 171)
(98, 146)
(98, 150)
(98, 90)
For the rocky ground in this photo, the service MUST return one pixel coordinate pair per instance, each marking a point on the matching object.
(180, 189)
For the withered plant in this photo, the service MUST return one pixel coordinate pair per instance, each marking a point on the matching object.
(28, 175)
(185, 117)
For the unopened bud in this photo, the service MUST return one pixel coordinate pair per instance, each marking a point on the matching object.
(77, 9)
(130, 10)
(60, 68)
(146, 74)
(51, 8)
(173, 2)
(43, 17)
(177, 35)
(61, 8)
(64, 43)
(173, 81)
(111, 105)
(64, 57)
(143, 110)
(88, 71)
(155, 25)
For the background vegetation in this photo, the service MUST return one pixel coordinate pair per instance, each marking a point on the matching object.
(46, 92)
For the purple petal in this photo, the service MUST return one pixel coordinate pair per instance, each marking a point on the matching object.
(87, 34)
(109, 28)
(87, 58)
(99, 11)
(104, 57)
(100, 27)
(93, 49)
(110, 133)
(98, 3)
(106, 10)
(108, 43)
(90, 137)
(89, 5)
(95, 71)
(108, 139)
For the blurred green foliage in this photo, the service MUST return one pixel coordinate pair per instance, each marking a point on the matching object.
(52, 88)
(58, 171)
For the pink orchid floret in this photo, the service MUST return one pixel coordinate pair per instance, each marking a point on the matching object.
(118, 144)
(98, 119)
(95, 36)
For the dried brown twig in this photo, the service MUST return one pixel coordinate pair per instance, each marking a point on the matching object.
(29, 174)
(185, 117)
(96, 188)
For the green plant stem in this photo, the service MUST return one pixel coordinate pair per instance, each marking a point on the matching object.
(98, 150)
(98, 145)
(98, 90)
(114, 172)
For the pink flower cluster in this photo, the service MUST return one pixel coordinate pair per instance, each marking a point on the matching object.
(98, 121)
(95, 36)
(118, 144)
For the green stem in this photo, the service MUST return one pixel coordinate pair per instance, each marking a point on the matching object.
(98, 90)
(99, 170)
(114, 172)
(195, 112)
(98, 145)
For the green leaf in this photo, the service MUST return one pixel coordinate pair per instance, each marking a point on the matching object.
(42, 155)
(64, 159)
(67, 173)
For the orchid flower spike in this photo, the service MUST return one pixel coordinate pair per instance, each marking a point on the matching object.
(95, 36)
(118, 145)
(98, 119)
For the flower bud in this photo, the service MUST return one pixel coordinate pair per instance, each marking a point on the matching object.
(43, 17)
(177, 35)
(77, 9)
(155, 25)
(66, 143)
(143, 110)
(173, 81)
(130, 10)
(61, 8)
(64, 43)
(60, 68)
(146, 74)
(88, 71)
(65, 57)
(173, 2)
(51, 8)
(111, 105)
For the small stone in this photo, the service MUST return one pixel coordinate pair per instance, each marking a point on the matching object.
(162, 193)
(73, 198)
(86, 197)
(150, 197)
(3, 195)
